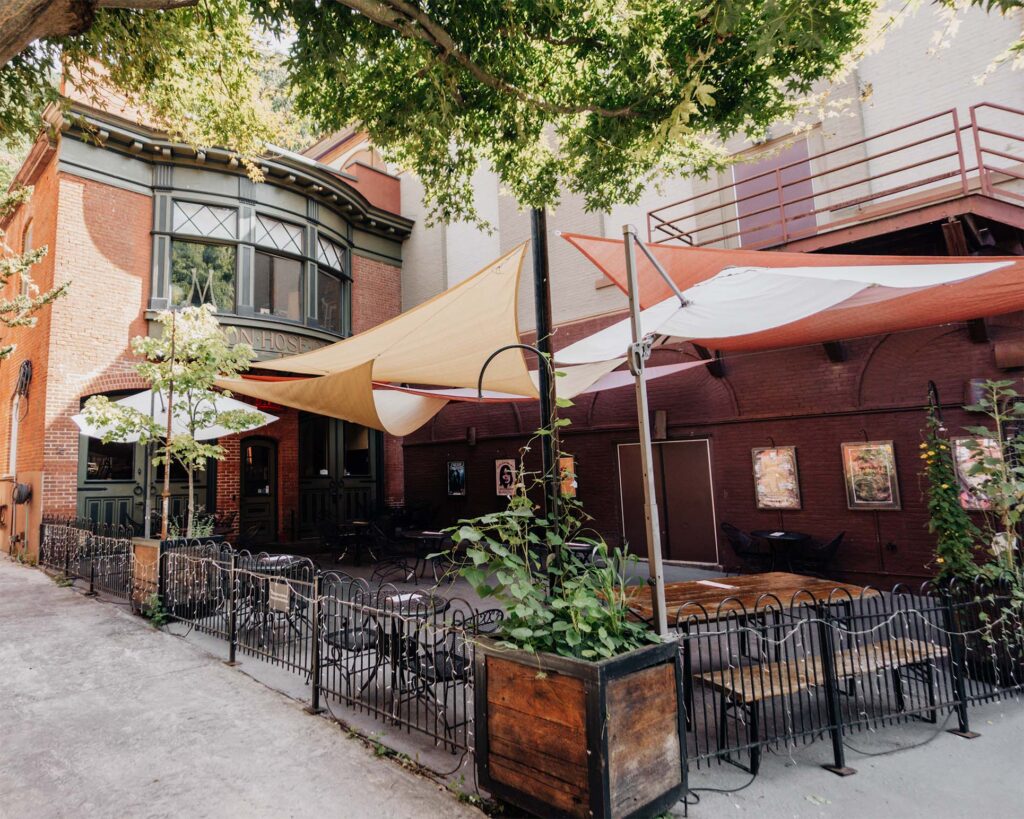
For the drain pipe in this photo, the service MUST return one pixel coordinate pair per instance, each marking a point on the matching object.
(20, 391)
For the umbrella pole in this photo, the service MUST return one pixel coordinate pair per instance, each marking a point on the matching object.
(166, 503)
(639, 352)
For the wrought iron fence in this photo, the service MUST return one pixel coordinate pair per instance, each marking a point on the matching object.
(765, 679)
(403, 658)
(83, 550)
(786, 673)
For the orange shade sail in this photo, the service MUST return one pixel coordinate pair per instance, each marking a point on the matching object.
(994, 293)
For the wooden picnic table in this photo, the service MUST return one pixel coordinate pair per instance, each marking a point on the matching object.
(746, 593)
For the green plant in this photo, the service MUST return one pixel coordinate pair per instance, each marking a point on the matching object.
(63, 581)
(956, 535)
(554, 601)
(154, 611)
(189, 355)
(997, 455)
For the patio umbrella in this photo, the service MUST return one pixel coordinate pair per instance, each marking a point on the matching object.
(155, 406)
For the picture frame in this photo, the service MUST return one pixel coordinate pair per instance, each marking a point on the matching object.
(776, 478)
(964, 457)
(869, 473)
(456, 479)
(505, 477)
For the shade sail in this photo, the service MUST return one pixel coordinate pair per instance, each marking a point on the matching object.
(775, 306)
(155, 406)
(444, 341)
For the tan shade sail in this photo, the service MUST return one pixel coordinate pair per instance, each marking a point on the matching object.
(879, 310)
(443, 342)
(348, 395)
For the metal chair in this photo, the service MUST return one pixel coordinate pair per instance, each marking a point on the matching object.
(746, 548)
(814, 559)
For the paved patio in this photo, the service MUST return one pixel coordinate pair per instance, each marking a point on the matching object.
(102, 715)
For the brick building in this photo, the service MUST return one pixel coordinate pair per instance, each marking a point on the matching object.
(137, 224)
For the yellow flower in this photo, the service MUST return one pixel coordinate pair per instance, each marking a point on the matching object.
(924, 455)
(923, 445)
(945, 486)
(940, 560)
(931, 451)
(943, 446)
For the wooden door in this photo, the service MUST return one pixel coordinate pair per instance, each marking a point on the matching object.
(774, 196)
(685, 497)
(258, 479)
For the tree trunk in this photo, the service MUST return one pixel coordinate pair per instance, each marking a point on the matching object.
(191, 502)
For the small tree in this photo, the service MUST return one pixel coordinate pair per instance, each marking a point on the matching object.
(182, 363)
(19, 310)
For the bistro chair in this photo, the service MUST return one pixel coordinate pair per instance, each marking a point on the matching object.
(815, 559)
(746, 549)
(350, 633)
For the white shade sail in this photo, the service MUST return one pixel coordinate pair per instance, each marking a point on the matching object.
(745, 300)
(155, 406)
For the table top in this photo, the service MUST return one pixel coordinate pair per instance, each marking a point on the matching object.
(417, 603)
(780, 535)
(725, 595)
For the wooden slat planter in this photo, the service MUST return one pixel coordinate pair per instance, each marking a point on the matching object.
(563, 737)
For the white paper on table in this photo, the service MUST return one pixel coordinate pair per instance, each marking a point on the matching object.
(404, 598)
(716, 585)
(775, 534)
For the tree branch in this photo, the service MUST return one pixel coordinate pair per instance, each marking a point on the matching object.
(412, 23)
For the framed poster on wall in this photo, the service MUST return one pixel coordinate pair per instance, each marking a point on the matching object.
(456, 478)
(505, 476)
(869, 470)
(776, 482)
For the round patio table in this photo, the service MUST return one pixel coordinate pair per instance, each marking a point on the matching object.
(781, 541)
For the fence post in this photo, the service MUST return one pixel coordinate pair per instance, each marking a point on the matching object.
(835, 716)
(232, 613)
(92, 577)
(314, 668)
(958, 661)
(42, 542)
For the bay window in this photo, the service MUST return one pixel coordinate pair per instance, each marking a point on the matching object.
(277, 287)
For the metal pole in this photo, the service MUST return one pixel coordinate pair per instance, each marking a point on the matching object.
(546, 382)
(639, 351)
(166, 505)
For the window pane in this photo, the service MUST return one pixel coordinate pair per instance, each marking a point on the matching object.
(203, 274)
(357, 450)
(329, 301)
(287, 289)
(277, 289)
(204, 220)
(110, 462)
(314, 446)
(280, 235)
(261, 284)
(329, 253)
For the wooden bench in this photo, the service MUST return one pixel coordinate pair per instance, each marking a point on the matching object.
(744, 687)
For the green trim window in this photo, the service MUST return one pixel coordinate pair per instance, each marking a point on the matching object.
(109, 462)
(330, 301)
(203, 273)
(277, 287)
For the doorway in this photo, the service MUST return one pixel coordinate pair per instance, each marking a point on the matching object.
(685, 497)
(258, 483)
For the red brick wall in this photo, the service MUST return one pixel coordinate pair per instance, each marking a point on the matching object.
(791, 397)
(377, 297)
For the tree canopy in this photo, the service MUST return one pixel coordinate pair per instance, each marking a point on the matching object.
(590, 96)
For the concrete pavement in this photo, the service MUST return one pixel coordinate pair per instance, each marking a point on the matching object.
(102, 715)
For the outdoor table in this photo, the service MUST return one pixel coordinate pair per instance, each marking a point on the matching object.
(739, 597)
(425, 543)
(781, 541)
(409, 609)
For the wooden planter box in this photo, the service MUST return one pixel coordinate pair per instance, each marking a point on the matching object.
(563, 737)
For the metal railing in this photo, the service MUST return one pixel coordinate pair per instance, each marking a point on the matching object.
(787, 673)
(929, 160)
(84, 550)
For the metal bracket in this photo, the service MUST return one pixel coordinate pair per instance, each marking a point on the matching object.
(638, 353)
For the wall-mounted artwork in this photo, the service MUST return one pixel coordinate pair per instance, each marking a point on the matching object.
(869, 468)
(966, 453)
(505, 476)
(776, 482)
(457, 478)
(567, 469)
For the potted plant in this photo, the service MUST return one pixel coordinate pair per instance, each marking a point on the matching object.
(579, 707)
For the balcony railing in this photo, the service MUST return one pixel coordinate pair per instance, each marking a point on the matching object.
(930, 160)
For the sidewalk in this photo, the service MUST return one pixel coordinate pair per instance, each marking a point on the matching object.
(102, 715)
